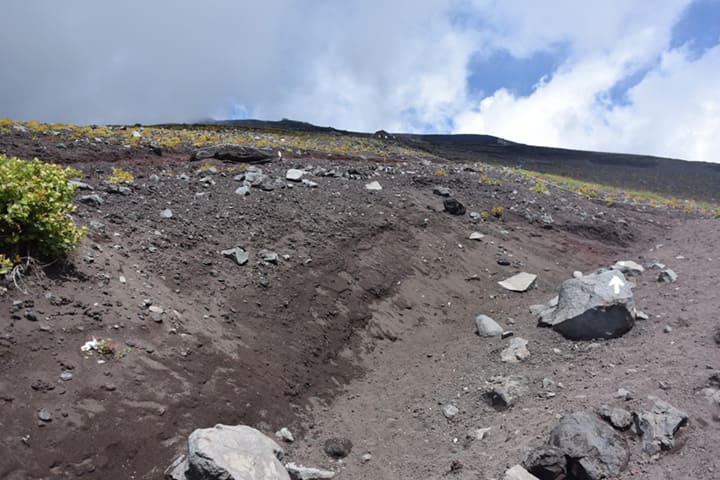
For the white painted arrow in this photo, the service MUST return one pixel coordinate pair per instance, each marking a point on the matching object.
(616, 283)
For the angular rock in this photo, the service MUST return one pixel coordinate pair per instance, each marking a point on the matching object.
(93, 200)
(268, 256)
(233, 153)
(167, 213)
(618, 417)
(338, 447)
(310, 183)
(294, 175)
(546, 462)
(453, 207)
(487, 327)
(589, 307)
(441, 191)
(299, 472)
(505, 391)
(450, 411)
(591, 449)
(519, 473)
(476, 236)
(518, 283)
(242, 191)
(658, 426)
(239, 255)
(628, 267)
(229, 453)
(285, 434)
(373, 186)
(516, 351)
(667, 276)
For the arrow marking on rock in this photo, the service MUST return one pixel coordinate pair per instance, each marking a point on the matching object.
(616, 283)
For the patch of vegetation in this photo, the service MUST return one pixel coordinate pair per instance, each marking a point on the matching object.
(120, 176)
(35, 208)
(497, 212)
(484, 179)
(484, 216)
(539, 186)
(440, 173)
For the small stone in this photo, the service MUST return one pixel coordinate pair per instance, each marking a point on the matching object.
(502, 261)
(667, 276)
(516, 351)
(294, 175)
(667, 329)
(623, 394)
(476, 236)
(285, 434)
(44, 415)
(110, 387)
(156, 309)
(31, 316)
(450, 411)
(167, 213)
(337, 447)
(577, 274)
(487, 327)
(453, 207)
(441, 191)
(91, 200)
(268, 256)
(373, 186)
(366, 458)
(505, 391)
(628, 267)
(518, 283)
(479, 433)
(239, 255)
(123, 280)
(299, 472)
(519, 473)
(242, 191)
(66, 376)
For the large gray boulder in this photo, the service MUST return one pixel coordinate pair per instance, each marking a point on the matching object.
(599, 305)
(229, 453)
(233, 153)
(582, 447)
(658, 425)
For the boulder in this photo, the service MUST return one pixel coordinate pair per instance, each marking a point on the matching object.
(518, 283)
(453, 207)
(599, 305)
(229, 453)
(658, 425)
(487, 327)
(233, 153)
(583, 447)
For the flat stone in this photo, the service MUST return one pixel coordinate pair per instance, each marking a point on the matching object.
(93, 200)
(667, 276)
(516, 351)
(487, 327)
(476, 236)
(44, 415)
(294, 175)
(518, 283)
(373, 186)
(268, 256)
(242, 191)
(237, 254)
(441, 191)
(299, 472)
(628, 267)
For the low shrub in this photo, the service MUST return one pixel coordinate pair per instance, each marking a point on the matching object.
(120, 176)
(497, 212)
(35, 208)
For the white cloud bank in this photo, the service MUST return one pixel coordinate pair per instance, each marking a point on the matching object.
(366, 65)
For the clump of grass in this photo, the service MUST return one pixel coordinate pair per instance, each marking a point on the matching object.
(120, 176)
(539, 186)
(484, 179)
(440, 173)
(497, 212)
(484, 216)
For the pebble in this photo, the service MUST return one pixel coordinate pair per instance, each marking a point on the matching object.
(66, 376)
(167, 213)
(44, 415)
(450, 411)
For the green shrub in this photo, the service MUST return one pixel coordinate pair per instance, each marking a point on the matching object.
(497, 212)
(484, 215)
(120, 176)
(35, 208)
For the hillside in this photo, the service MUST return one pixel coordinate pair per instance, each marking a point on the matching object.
(350, 311)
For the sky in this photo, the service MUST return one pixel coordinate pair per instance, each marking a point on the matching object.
(634, 76)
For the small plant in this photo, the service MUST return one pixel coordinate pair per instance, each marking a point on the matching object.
(539, 187)
(587, 191)
(35, 208)
(120, 176)
(484, 216)
(497, 212)
(489, 181)
(5, 264)
(440, 173)
(205, 167)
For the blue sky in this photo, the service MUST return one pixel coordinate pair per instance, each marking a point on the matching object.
(631, 76)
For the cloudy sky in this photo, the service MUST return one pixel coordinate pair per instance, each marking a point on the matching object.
(639, 76)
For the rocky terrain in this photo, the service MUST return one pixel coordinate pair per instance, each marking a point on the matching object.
(333, 298)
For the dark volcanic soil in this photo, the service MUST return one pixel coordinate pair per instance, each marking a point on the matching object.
(362, 329)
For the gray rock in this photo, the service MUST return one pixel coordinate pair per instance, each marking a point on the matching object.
(453, 207)
(66, 376)
(590, 308)
(229, 453)
(239, 255)
(93, 200)
(79, 185)
(518, 473)
(657, 266)
(233, 153)
(242, 191)
(441, 191)
(505, 391)
(591, 449)
(268, 256)
(658, 426)
(44, 415)
(487, 327)
(294, 175)
(310, 183)
(338, 447)
(546, 462)
(577, 274)
(667, 276)
(285, 434)
(373, 186)
(167, 213)
(618, 417)
(298, 472)
(516, 351)
(240, 177)
(476, 236)
(518, 283)
(628, 267)
(450, 411)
